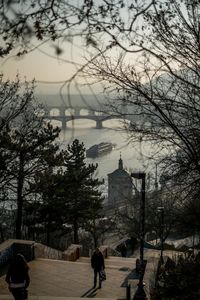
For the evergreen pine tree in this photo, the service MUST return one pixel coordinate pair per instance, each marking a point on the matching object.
(81, 187)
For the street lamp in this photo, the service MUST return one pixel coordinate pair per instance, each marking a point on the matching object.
(161, 210)
(140, 293)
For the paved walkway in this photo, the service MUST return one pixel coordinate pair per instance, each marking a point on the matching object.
(52, 278)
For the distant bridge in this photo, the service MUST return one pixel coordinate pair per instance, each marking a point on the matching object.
(75, 113)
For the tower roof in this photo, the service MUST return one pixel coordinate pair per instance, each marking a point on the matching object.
(120, 172)
(120, 166)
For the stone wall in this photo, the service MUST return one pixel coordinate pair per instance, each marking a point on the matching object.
(11, 247)
(29, 249)
(32, 250)
(72, 253)
(6, 253)
(26, 248)
(42, 251)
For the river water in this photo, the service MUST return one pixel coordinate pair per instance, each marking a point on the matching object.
(133, 156)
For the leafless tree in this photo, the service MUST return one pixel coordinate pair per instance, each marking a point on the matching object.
(146, 54)
(160, 86)
(14, 97)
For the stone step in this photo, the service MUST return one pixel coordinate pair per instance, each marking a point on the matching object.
(110, 258)
(67, 280)
(118, 258)
(112, 262)
(9, 297)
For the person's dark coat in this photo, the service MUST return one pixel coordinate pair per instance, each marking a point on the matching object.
(17, 275)
(97, 261)
(18, 278)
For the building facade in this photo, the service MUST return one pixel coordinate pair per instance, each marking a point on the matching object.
(120, 187)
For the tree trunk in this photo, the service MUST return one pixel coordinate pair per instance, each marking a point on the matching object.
(76, 241)
(95, 238)
(19, 212)
(20, 183)
(48, 233)
(2, 235)
(95, 242)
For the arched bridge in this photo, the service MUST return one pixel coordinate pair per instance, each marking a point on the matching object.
(75, 113)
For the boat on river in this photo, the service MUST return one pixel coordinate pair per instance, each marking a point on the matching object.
(99, 149)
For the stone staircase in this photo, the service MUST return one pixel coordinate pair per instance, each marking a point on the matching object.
(67, 280)
(113, 262)
(56, 279)
(69, 276)
(8, 297)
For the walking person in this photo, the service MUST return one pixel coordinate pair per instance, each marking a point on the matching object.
(18, 278)
(97, 263)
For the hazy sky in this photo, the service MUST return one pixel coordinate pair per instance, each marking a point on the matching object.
(44, 65)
